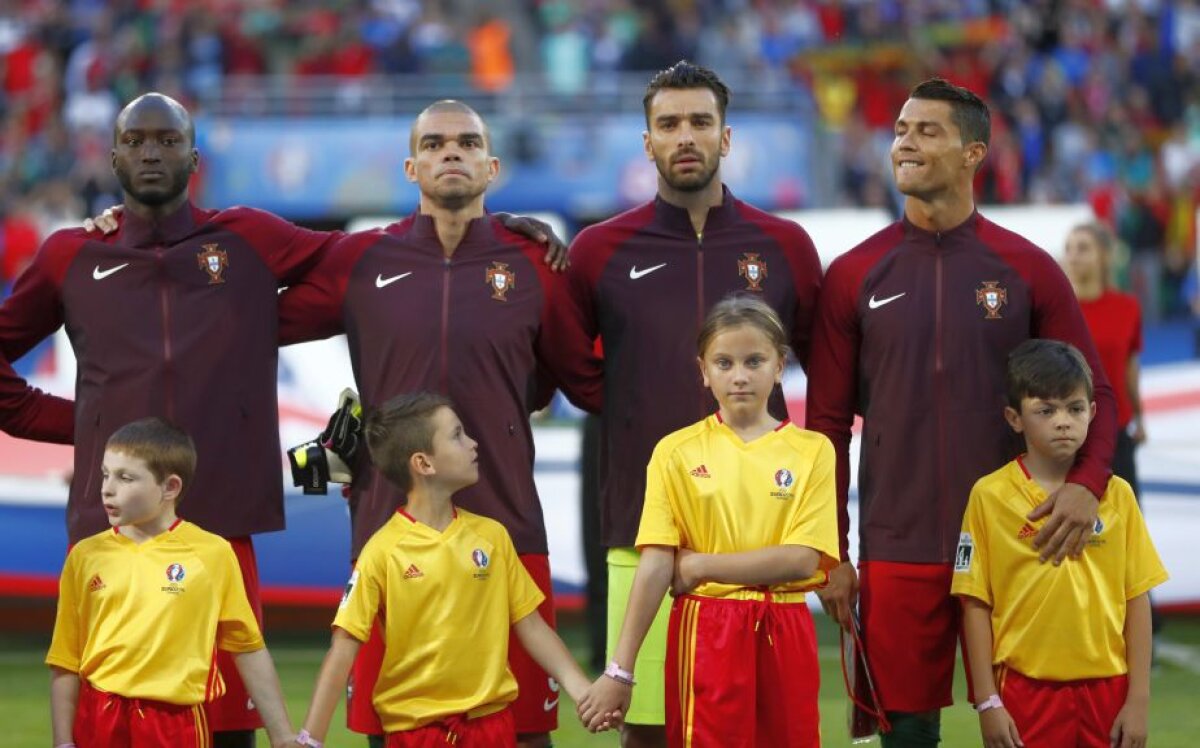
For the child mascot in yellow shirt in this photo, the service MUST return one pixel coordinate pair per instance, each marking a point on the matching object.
(143, 607)
(739, 522)
(446, 586)
(1059, 654)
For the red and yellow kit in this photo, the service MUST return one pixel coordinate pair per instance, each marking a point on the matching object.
(1053, 622)
(446, 601)
(141, 624)
(1058, 631)
(710, 492)
(142, 620)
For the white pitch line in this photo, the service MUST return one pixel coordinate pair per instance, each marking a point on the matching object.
(1180, 655)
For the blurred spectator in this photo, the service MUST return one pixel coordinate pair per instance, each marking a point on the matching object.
(564, 50)
(492, 66)
(1096, 102)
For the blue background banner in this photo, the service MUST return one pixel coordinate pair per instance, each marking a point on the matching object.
(576, 165)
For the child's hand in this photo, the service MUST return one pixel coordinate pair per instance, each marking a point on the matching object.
(604, 703)
(1129, 730)
(687, 575)
(998, 729)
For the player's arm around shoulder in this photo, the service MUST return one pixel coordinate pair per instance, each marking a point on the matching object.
(288, 250)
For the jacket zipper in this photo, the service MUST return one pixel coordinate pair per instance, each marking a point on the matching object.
(164, 300)
(444, 377)
(939, 382)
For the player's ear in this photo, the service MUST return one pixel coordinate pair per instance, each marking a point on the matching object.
(172, 487)
(975, 153)
(420, 464)
(646, 146)
(1013, 418)
(726, 138)
(1091, 411)
(703, 373)
(493, 168)
(410, 169)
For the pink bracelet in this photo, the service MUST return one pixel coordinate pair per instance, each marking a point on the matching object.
(305, 739)
(615, 672)
(991, 702)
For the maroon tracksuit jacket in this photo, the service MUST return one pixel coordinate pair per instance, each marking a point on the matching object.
(643, 282)
(175, 320)
(913, 332)
(474, 327)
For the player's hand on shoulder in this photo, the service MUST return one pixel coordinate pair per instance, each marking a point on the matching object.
(998, 729)
(540, 232)
(1073, 511)
(840, 594)
(1129, 730)
(106, 223)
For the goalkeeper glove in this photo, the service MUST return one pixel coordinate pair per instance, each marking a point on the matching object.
(330, 456)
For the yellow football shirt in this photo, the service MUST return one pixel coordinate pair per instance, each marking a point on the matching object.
(711, 492)
(1053, 622)
(446, 601)
(143, 620)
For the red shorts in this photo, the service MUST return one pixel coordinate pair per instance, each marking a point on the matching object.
(106, 720)
(741, 674)
(490, 731)
(910, 627)
(536, 707)
(1063, 714)
(234, 710)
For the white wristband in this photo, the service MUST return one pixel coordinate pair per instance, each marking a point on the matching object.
(991, 702)
(618, 674)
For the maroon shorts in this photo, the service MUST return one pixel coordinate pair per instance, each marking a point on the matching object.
(910, 630)
(1052, 714)
(234, 710)
(741, 674)
(106, 720)
(491, 731)
(536, 707)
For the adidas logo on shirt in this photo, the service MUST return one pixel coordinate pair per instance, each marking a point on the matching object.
(1028, 531)
(700, 472)
(412, 572)
(96, 584)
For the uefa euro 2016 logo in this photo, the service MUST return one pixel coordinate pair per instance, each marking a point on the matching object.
(481, 561)
(783, 478)
(784, 481)
(175, 573)
(480, 558)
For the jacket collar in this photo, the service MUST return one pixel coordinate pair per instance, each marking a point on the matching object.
(140, 232)
(677, 220)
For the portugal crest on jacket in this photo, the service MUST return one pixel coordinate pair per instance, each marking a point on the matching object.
(213, 261)
(991, 297)
(754, 269)
(501, 279)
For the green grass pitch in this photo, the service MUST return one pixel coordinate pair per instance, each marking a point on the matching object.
(1174, 714)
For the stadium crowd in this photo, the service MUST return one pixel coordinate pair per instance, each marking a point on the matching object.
(1095, 101)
